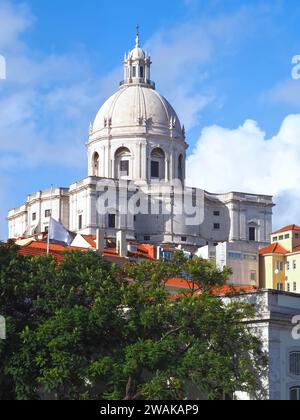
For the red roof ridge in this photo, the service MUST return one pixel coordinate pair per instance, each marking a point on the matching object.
(275, 248)
(90, 239)
(287, 228)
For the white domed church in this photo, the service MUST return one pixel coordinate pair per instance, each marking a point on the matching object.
(137, 140)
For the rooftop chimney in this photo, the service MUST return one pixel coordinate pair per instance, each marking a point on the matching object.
(122, 244)
(100, 241)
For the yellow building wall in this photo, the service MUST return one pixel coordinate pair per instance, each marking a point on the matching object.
(268, 266)
(266, 270)
(270, 279)
(293, 275)
(280, 277)
(289, 244)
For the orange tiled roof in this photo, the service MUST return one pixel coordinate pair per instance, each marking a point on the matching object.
(275, 248)
(36, 249)
(90, 239)
(287, 228)
(182, 283)
(229, 289)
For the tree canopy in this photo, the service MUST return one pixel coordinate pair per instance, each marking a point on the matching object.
(85, 329)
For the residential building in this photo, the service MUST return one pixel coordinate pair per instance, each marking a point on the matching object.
(280, 261)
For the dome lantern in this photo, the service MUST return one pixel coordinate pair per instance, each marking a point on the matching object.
(137, 66)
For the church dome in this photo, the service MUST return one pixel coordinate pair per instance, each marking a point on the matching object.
(137, 105)
(137, 54)
(136, 134)
(137, 108)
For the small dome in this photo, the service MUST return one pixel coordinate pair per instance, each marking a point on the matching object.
(135, 105)
(137, 54)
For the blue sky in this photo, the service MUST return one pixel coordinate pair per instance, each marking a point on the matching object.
(224, 65)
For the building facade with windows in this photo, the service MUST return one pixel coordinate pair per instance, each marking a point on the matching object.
(280, 261)
(275, 325)
(241, 256)
(137, 136)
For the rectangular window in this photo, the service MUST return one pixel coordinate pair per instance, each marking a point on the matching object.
(216, 213)
(280, 265)
(141, 72)
(183, 239)
(288, 287)
(47, 213)
(166, 255)
(287, 237)
(275, 239)
(112, 221)
(253, 276)
(154, 169)
(147, 238)
(33, 217)
(252, 234)
(280, 287)
(124, 167)
(295, 363)
(235, 255)
(295, 265)
(294, 287)
(217, 226)
(281, 237)
(80, 222)
(297, 235)
(134, 71)
(288, 266)
(295, 394)
(249, 257)
(46, 229)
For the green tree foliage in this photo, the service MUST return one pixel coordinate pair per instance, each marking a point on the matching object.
(83, 329)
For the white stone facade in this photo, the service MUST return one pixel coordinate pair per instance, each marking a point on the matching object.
(33, 217)
(137, 136)
(274, 325)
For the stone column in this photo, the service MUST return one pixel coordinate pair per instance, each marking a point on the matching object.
(167, 178)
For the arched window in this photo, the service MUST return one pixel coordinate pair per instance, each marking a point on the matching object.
(180, 168)
(295, 393)
(95, 164)
(295, 363)
(158, 161)
(122, 163)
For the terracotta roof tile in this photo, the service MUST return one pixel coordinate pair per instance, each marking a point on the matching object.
(181, 283)
(90, 239)
(36, 249)
(287, 229)
(275, 248)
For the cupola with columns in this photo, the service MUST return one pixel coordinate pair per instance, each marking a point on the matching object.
(137, 66)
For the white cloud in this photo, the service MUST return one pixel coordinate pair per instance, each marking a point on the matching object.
(286, 92)
(185, 57)
(13, 21)
(243, 159)
(46, 102)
